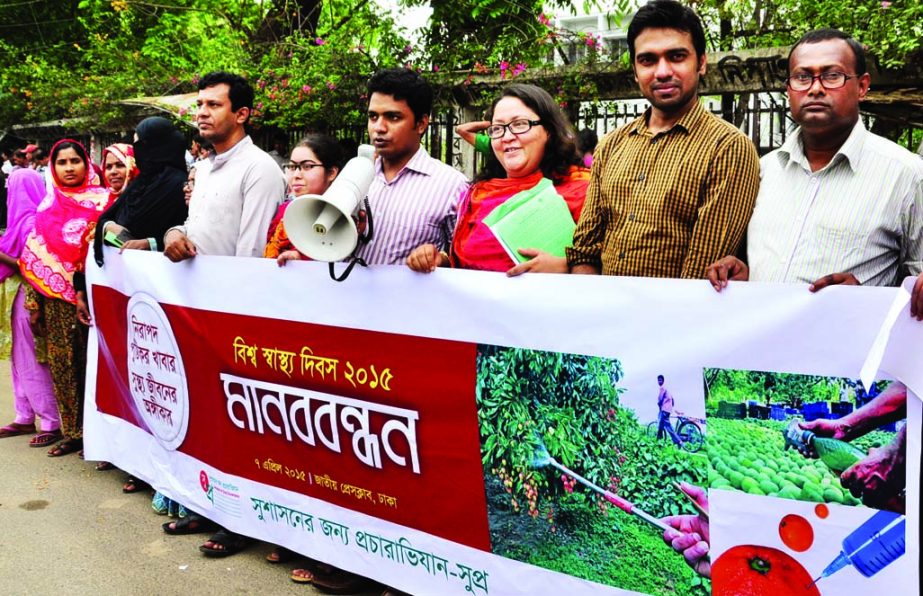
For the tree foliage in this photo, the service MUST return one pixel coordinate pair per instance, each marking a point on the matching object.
(569, 404)
(890, 29)
(771, 388)
(310, 58)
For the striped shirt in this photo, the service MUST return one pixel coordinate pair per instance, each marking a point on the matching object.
(667, 204)
(862, 213)
(417, 207)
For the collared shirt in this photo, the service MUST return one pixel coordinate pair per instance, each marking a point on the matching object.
(667, 204)
(233, 202)
(862, 213)
(665, 400)
(417, 207)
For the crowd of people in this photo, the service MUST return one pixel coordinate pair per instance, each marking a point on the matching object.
(671, 194)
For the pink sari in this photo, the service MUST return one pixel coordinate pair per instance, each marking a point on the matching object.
(474, 245)
(58, 245)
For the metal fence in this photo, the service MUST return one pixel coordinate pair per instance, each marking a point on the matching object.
(763, 117)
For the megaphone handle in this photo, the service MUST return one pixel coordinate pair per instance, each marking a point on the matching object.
(368, 233)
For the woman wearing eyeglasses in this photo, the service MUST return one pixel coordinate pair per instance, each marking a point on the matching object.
(314, 164)
(530, 139)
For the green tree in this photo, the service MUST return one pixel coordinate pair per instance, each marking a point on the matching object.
(891, 29)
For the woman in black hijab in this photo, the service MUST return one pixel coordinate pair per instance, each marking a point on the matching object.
(153, 202)
(147, 207)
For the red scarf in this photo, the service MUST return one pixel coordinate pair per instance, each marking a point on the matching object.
(63, 223)
(474, 245)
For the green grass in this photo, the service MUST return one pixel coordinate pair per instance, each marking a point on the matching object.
(612, 548)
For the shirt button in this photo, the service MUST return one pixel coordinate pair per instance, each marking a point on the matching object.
(640, 177)
(622, 255)
(631, 217)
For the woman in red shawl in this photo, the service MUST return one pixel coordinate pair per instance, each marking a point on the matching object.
(54, 250)
(531, 140)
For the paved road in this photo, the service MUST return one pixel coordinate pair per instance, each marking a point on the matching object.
(67, 529)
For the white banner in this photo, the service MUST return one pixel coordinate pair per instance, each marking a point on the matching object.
(545, 381)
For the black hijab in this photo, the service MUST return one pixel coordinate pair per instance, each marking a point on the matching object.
(153, 202)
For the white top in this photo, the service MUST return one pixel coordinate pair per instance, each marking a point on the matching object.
(233, 202)
(861, 214)
(417, 207)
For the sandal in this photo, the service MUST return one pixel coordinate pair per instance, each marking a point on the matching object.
(134, 485)
(45, 438)
(331, 580)
(280, 554)
(191, 524)
(102, 466)
(232, 544)
(65, 447)
(14, 429)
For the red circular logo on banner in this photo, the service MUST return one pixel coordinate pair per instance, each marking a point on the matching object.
(203, 480)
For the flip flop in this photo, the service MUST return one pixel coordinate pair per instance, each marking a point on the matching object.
(305, 575)
(65, 447)
(232, 543)
(102, 466)
(45, 438)
(280, 554)
(14, 429)
(337, 581)
(134, 485)
(191, 524)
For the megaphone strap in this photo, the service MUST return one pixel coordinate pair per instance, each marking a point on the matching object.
(353, 261)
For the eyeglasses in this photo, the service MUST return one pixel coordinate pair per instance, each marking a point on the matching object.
(304, 166)
(828, 80)
(517, 127)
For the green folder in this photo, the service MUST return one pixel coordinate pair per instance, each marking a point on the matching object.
(535, 218)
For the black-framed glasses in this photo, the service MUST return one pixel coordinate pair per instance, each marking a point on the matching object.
(304, 166)
(517, 127)
(828, 80)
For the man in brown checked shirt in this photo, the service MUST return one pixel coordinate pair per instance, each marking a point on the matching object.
(673, 190)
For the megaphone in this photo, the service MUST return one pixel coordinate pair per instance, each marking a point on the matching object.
(322, 226)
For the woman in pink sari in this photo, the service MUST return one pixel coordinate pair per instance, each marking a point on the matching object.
(55, 249)
(531, 140)
(33, 393)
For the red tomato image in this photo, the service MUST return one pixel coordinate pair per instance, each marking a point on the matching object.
(748, 570)
(796, 532)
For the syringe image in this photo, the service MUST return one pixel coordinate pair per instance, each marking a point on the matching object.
(871, 547)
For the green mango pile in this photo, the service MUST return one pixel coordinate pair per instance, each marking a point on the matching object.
(750, 456)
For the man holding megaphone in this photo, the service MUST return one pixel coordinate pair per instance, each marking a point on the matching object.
(413, 197)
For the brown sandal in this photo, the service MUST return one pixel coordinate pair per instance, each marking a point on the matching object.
(66, 447)
(14, 429)
(46, 438)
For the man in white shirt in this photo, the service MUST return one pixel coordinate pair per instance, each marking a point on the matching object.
(235, 199)
(231, 207)
(837, 204)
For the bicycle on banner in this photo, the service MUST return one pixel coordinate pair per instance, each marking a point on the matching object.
(689, 431)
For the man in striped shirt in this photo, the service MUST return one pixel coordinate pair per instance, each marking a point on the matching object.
(413, 197)
(672, 191)
(837, 204)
